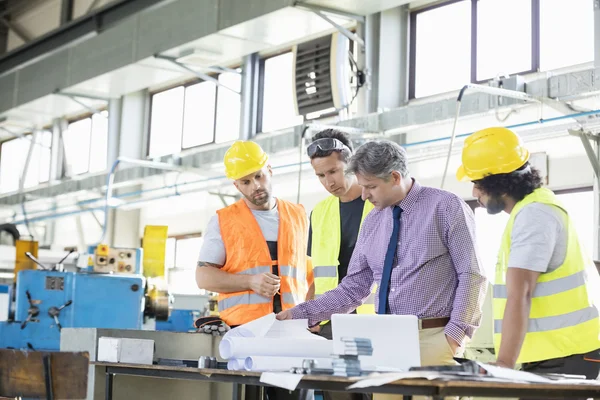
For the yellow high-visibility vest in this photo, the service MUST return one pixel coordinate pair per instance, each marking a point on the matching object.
(325, 248)
(564, 308)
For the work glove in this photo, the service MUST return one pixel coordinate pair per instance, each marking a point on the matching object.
(211, 325)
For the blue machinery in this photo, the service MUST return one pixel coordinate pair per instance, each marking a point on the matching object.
(110, 292)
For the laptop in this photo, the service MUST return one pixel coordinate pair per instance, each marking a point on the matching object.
(395, 339)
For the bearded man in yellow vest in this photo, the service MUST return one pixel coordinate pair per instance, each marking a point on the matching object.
(254, 251)
(546, 289)
(334, 225)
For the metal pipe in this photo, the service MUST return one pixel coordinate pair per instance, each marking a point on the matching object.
(35, 218)
(494, 91)
(143, 163)
(452, 137)
(199, 74)
(34, 136)
(331, 11)
(341, 29)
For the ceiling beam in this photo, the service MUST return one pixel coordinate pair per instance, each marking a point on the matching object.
(80, 29)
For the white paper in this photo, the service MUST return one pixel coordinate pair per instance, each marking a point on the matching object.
(257, 328)
(378, 379)
(273, 364)
(512, 374)
(267, 336)
(241, 347)
(281, 379)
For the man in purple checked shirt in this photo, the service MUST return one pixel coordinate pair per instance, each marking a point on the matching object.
(426, 237)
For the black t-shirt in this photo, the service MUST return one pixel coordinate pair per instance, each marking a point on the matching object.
(350, 217)
(275, 270)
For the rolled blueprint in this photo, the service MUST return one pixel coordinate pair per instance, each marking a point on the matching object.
(236, 364)
(242, 347)
(264, 363)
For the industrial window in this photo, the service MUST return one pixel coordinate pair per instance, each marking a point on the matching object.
(181, 259)
(566, 33)
(502, 50)
(278, 111)
(195, 114)
(166, 122)
(441, 62)
(228, 107)
(199, 114)
(13, 155)
(86, 145)
(484, 39)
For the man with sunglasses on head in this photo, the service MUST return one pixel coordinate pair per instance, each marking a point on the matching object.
(334, 225)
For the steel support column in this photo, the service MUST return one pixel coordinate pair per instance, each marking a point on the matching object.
(363, 62)
(591, 144)
(124, 226)
(66, 11)
(249, 116)
(596, 145)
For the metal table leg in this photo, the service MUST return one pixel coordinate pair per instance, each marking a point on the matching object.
(237, 392)
(109, 386)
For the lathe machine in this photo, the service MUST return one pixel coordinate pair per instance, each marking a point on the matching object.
(106, 290)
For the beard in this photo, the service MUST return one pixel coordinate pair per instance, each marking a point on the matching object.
(495, 205)
(260, 197)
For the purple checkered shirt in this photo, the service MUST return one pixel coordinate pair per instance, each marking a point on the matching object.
(437, 271)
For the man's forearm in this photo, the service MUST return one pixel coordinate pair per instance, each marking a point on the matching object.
(514, 328)
(468, 303)
(213, 279)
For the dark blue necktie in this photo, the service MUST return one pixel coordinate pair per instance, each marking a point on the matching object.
(384, 287)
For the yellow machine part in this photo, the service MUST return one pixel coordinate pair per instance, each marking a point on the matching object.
(154, 245)
(21, 261)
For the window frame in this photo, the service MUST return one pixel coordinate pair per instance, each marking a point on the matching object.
(412, 67)
(81, 117)
(185, 85)
(30, 134)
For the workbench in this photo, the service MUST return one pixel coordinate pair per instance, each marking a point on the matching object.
(437, 389)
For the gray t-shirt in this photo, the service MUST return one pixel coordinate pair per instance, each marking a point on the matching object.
(539, 238)
(213, 248)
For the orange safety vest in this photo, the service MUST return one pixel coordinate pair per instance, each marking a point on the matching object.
(247, 254)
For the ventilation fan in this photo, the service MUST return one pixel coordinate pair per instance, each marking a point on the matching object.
(322, 74)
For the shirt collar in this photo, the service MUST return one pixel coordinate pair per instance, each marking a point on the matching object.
(409, 202)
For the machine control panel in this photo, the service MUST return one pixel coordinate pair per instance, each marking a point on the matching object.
(115, 260)
(55, 283)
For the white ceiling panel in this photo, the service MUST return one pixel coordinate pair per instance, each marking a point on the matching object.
(218, 48)
(42, 111)
(129, 79)
(359, 7)
(282, 26)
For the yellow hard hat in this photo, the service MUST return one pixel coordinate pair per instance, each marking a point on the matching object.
(491, 151)
(244, 158)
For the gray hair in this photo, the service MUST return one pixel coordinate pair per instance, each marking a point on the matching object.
(379, 158)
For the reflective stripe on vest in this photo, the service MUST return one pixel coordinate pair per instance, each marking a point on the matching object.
(248, 254)
(563, 319)
(555, 322)
(325, 271)
(549, 288)
(325, 249)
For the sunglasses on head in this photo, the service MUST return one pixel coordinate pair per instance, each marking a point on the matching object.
(325, 144)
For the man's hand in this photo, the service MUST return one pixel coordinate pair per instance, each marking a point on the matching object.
(315, 329)
(265, 284)
(453, 345)
(282, 316)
